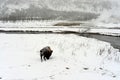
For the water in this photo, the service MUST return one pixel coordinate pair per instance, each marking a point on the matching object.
(115, 41)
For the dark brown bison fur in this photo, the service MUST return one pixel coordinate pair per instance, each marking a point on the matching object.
(45, 53)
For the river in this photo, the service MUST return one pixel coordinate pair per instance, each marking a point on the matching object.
(115, 41)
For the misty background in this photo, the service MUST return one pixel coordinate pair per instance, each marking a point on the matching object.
(74, 10)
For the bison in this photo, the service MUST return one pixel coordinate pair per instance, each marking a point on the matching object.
(45, 53)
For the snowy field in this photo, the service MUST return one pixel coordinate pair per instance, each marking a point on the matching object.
(48, 25)
(74, 58)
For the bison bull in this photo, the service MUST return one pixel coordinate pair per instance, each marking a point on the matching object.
(45, 53)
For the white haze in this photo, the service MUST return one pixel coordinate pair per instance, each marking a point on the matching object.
(107, 10)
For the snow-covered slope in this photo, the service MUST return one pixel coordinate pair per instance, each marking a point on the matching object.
(74, 58)
(49, 9)
(71, 5)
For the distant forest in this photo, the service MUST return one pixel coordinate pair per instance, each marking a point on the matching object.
(35, 13)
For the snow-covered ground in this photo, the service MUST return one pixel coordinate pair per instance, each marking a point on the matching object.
(85, 26)
(74, 58)
(28, 23)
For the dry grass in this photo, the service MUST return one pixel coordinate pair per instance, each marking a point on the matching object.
(67, 24)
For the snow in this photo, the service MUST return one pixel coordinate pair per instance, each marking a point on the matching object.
(19, 7)
(107, 9)
(74, 58)
(71, 5)
(26, 23)
(113, 32)
(48, 25)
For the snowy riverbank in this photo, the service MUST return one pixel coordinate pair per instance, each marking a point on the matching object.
(74, 26)
(74, 57)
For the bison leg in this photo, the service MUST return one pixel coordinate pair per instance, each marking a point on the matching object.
(45, 58)
(41, 57)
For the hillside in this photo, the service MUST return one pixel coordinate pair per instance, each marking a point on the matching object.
(59, 9)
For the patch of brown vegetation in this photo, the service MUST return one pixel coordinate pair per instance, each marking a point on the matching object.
(67, 24)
